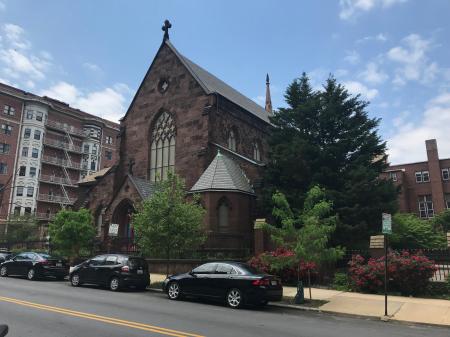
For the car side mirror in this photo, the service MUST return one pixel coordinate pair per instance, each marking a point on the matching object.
(192, 273)
(3, 330)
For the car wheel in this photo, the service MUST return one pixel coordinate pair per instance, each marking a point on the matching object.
(75, 280)
(31, 275)
(235, 299)
(114, 283)
(174, 291)
(4, 271)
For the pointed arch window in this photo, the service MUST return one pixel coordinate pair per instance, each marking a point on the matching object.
(223, 214)
(162, 149)
(232, 140)
(256, 152)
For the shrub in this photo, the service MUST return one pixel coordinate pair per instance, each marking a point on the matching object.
(289, 275)
(409, 274)
(341, 282)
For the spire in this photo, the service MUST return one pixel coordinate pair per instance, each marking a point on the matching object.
(268, 99)
(165, 28)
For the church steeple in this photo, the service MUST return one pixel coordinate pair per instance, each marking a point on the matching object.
(268, 98)
(165, 28)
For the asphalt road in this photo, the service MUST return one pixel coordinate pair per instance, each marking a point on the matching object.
(55, 309)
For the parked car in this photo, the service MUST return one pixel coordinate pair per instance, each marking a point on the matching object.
(34, 266)
(236, 283)
(3, 330)
(4, 255)
(115, 271)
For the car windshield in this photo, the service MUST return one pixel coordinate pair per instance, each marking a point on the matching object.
(134, 263)
(247, 269)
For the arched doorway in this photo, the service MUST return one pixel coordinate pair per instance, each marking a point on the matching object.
(122, 215)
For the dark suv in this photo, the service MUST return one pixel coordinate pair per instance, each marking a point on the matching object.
(115, 271)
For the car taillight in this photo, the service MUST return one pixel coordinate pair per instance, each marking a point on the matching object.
(261, 282)
(44, 262)
(125, 269)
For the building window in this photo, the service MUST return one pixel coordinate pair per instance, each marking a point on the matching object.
(92, 165)
(19, 191)
(232, 141)
(27, 210)
(393, 176)
(162, 151)
(426, 206)
(6, 129)
(32, 171)
(35, 153)
(445, 174)
(447, 201)
(27, 133)
(22, 171)
(9, 110)
(39, 116)
(422, 176)
(256, 152)
(3, 168)
(108, 140)
(4, 148)
(86, 149)
(108, 155)
(223, 210)
(37, 134)
(30, 114)
(30, 191)
(17, 210)
(25, 151)
(94, 151)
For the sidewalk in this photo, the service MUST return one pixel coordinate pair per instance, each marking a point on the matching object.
(405, 309)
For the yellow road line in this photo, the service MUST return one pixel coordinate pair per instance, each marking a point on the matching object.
(110, 320)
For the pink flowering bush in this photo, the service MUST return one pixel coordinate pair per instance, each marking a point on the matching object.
(408, 273)
(285, 257)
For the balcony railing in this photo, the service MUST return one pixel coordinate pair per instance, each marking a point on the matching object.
(68, 128)
(45, 216)
(60, 162)
(59, 199)
(62, 145)
(56, 180)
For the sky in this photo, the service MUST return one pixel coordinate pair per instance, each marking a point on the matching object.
(94, 54)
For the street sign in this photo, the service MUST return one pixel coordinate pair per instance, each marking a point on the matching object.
(387, 223)
(113, 229)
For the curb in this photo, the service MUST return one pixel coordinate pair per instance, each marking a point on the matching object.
(291, 306)
(156, 290)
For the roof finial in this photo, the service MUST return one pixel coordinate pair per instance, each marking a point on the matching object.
(165, 28)
(268, 98)
(218, 153)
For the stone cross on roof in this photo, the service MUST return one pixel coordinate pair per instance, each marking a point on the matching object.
(165, 28)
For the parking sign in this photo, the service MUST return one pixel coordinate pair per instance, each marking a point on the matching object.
(387, 223)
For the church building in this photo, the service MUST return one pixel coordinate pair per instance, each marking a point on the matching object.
(183, 118)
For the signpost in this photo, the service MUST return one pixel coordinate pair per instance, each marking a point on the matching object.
(387, 229)
(113, 229)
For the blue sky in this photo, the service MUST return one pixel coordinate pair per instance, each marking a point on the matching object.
(94, 54)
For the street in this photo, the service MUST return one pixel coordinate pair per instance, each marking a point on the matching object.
(55, 309)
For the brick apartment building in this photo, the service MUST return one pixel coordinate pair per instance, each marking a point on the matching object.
(46, 147)
(424, 186)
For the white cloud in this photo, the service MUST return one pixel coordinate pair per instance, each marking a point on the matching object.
(379, 37)
(92, 67)
(408, 142)
(352, 57)
(261, 100)
(355, 88)
(108, 103)
(372, 74)
(14, 35)
(2, 6)
(351, 8)
(413, 60)
(17, 62)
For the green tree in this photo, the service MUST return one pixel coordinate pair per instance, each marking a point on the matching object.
(441, 221)
(21, 228)
(306, 233)
(408, 231)
(326, 138)
(72, 233)
(168, 224)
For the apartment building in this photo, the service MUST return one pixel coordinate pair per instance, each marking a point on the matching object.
(46, 147)
(424, 186)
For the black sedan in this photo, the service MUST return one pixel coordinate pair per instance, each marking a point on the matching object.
(4, 255)
(115, 271)
(236, 283)
(34, 266)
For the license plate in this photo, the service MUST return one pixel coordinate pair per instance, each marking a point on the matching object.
(140, 272)
(59, 264)
(274, 283)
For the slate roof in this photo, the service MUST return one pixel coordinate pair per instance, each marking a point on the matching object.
(223, 174)
(211, 84)
(144, 187)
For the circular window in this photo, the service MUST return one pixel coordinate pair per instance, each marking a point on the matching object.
(163, 85)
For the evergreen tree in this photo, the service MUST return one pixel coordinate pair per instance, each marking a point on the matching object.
(326, 138)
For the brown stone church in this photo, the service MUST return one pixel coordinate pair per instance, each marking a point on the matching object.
(183, 118)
